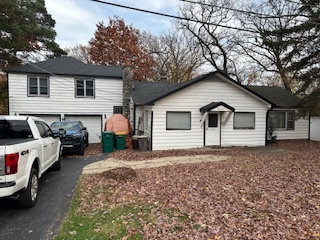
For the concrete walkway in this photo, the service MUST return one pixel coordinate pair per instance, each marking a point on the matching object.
(111, 163)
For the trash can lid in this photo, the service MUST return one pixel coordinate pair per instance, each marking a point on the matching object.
(120, 133)
(142, 136)
(135, 137)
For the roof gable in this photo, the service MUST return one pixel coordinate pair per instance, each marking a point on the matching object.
(214, 105)
(149, 93)
(68, 66)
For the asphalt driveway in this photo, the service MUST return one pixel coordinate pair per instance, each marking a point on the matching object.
(43, 221)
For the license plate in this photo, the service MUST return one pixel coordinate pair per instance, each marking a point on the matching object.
(68, 146)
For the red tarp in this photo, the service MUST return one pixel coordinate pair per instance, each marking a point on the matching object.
(117, 123)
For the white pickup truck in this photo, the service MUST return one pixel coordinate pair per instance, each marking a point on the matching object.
(28, 147)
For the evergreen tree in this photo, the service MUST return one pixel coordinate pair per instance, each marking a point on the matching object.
(26, 28)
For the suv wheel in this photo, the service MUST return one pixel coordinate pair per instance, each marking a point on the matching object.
(81, 150)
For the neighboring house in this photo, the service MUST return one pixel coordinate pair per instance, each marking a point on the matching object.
(67, 89)
(315, 128)
(213, 110)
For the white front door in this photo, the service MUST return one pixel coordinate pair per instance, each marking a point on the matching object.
(212, 130)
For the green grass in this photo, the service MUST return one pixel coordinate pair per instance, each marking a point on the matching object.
(123, 221)
(116, 224)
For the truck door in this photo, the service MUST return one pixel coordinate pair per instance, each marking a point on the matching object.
(49, 144)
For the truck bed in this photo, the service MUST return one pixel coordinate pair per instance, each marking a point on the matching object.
(15, 141)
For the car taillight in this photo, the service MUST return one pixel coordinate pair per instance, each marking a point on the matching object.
(12, 163)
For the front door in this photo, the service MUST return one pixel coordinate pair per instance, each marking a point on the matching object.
(212, 130)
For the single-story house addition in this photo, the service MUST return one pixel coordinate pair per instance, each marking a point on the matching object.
(213, 110)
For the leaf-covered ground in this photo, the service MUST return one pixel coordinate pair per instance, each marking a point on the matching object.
(251, 196)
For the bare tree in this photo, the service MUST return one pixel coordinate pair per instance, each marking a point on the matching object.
(177, 55)
(80, 52)
(282, 45)
(212, 25)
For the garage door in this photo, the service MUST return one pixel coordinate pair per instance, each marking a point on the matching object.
(92, 123)
(48, 118)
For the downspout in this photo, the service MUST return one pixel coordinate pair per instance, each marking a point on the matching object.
(309, 126)
(220, 129)
(204, 133)
(134, 119)
(8, 99)
(266, 134)
(151, 132)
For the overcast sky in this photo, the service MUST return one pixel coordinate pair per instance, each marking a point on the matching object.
(76, 19)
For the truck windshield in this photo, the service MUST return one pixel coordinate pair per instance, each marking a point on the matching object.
(15, 129)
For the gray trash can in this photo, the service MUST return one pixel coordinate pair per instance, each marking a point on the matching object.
(135, 142)
(143, 143)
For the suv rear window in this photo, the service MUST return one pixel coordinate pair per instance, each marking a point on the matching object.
(14, 129)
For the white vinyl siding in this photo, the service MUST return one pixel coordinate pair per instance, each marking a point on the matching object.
(198, 95)
(62, 100)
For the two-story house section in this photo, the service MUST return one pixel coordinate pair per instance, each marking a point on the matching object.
(65, 88)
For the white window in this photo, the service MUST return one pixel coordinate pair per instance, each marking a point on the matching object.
(38, 86)
(244, 120)
(84, 88)
(178, 120)
(281, 120)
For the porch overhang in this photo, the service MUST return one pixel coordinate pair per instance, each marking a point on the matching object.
(216, 107)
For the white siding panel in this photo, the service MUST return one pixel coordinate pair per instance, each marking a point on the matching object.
(301, 129)
(315, 128)
(93, 125)
(192, 99)
(108, 93)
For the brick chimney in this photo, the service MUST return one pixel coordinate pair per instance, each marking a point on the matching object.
(127, 86)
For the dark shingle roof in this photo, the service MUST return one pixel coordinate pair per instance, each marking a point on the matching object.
(146, 93)
(68, 66)
(277, 95)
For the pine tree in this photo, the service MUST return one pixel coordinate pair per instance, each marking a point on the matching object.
(26, 28)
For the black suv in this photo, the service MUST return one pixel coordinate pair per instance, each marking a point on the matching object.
(77, 136)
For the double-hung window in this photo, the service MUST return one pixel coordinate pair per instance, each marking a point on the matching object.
(281, 120)
(244, 120)
(85, 88)
(38, 86)
(178, 120)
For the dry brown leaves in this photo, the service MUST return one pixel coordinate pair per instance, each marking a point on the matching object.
(257, 196)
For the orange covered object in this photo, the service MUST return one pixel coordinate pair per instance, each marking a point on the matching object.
(117, 123)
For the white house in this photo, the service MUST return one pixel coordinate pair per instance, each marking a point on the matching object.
(67, 89)
(212, 110)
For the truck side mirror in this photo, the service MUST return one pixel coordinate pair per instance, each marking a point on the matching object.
(62, 133)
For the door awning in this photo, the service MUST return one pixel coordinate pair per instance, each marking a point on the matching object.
(217, 106)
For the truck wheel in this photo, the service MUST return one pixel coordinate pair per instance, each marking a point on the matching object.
(81, 150)
(28, 197)
(57, 165)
